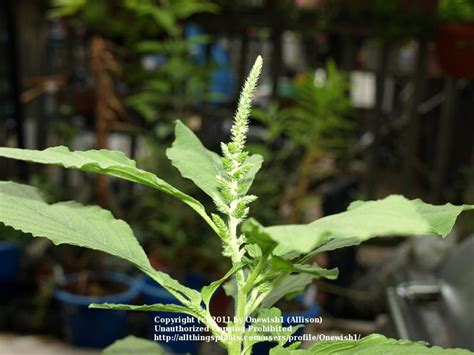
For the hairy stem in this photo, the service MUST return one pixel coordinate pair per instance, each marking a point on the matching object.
(241, 301)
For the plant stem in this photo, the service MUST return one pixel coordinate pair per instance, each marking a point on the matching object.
(235, 347)
(255, 273)
(237, 332)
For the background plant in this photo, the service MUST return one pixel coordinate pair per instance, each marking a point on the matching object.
(267, 262)
(456, 10)
(150, 31)
(316, 122)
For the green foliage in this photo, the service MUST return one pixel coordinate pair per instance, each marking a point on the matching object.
(134, 345)
(201, 165)
(374, 344)
(268, 263)
(256, 335)
(456, 10)
(314, 124)
(364, 220)
(168, 92)
(317, 115)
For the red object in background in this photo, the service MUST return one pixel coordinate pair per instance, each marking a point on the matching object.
(455, 47)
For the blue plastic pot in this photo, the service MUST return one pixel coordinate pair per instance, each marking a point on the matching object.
(96, 328)
(154, 293)
(9, 262)
(312, 311)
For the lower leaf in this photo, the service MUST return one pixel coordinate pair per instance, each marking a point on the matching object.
(374, 344)
(134, 345)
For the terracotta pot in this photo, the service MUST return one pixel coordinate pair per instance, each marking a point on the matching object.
(455, 47)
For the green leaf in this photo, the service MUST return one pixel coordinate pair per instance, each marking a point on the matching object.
(373, 344)
(174, 308)
(165, 19)
(285, 285)
(23, 208)
(108, 162)
(267, 318)
(254, 251)
(392, 216)
(201, 165)
(255, 234)
(440, 218)
(280, 264)
(134, 345)
(208, 291)
(193, 160)
(184, 9)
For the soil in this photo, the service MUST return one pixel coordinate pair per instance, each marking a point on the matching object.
(95, 287)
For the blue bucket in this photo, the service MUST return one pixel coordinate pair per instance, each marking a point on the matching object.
(96, 328)
(154, 293)
(9, 261)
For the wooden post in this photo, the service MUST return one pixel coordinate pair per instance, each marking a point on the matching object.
(411, 143)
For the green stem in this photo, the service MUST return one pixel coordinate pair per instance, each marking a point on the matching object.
(235, 347)
(255, 273)
(237, 333)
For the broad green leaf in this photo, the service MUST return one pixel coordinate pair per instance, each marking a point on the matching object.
(285, 285)
(374, 344)
(280, 264)
(254, 250)
(255, 233)
(134, 345)
(174, 308)
(267, 318)
(208, 291)
(106, 162)
(23, 208)
(440, 218)
(201, 165)
(193, 160)
(391, 216)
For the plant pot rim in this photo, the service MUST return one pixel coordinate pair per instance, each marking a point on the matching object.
(132, 291)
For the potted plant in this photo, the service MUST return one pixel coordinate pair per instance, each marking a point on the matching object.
(268, 263)
(165, 76)
(80, 323)
(316, 121)
(455, 37)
